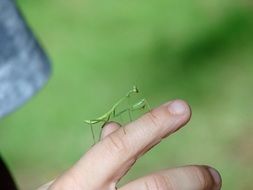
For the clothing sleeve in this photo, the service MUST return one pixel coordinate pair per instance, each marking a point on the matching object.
(24, 67)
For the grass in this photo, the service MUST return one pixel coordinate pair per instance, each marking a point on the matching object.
(194, 50)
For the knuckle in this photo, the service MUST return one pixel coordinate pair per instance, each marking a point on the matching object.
(203, 177)
(152, 119)
(64, 183)
(159, 182)
(115, 143)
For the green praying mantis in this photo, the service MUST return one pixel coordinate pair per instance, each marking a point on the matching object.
(111, 113)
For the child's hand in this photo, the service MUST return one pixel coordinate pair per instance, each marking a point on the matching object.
(108, 161)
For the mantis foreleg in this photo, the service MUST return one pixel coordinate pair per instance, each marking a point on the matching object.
(93, 134)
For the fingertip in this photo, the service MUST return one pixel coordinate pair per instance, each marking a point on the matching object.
(216, 176)
(180, 108)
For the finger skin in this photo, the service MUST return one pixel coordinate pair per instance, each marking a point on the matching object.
(113, 156)
(184, 178)
(46, 186)
(109, 128)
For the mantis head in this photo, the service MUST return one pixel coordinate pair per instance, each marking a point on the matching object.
(132, 91)
(135, 89)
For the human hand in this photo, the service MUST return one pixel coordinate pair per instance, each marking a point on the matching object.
(109, 160)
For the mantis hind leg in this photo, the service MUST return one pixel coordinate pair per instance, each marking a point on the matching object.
(129, 113)
(147, 104)
(120, 116)
(148, 107)
(129, 110)
(121, 120)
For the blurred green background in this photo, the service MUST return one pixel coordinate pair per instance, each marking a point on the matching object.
(199, 51)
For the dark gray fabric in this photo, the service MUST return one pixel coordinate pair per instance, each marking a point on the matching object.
(6, 180)
(24, 68)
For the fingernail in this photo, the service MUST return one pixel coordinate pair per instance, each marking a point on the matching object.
(216, 176)
(177, 107)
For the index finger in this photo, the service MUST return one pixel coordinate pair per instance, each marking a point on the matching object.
(113, 156)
